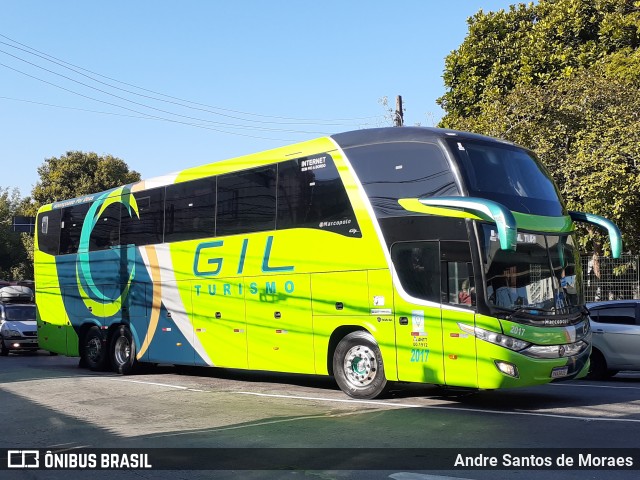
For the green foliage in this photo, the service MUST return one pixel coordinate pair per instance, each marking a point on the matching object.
(16, 259)
(72, 175)
(561, 77)
(79, 173)
(533, 45)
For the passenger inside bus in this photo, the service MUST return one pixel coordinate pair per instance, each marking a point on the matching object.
(464, 295)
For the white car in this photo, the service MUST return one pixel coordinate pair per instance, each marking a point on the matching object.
(18, 329)
(616, 337)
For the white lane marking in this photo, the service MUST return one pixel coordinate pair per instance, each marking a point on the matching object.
(341, 400)
(421, 476)
(439, 407)
(258, 424)
(179, 387)
(592, 386)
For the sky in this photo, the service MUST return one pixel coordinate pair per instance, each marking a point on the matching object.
(166, 85)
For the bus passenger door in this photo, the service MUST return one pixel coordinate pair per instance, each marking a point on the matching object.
(458, 307)
(418, 312)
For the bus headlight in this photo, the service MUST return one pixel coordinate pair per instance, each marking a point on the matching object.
(505, 341)
(555, 351)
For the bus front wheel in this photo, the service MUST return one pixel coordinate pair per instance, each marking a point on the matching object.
(358, 367)
(123, 351)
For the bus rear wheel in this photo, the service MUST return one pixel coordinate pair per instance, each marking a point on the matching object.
(123, 351)
(94, 353)
(358, 366)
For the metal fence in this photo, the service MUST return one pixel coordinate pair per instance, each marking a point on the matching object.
(606, 278)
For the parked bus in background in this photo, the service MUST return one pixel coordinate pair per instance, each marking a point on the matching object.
(375, 256)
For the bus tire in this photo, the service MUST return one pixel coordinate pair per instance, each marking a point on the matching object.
(94, 354)
(358, 367)
(123, 351)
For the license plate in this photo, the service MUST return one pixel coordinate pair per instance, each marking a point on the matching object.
(559, 372)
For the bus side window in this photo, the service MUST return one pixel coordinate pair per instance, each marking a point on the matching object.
(190, 210)
(71, 227)
(106, 232)
(418, 269)
(49, 233)
(311, 195)
(246, 201)
(146, 228)
(458, 287)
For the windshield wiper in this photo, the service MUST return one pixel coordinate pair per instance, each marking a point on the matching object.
(527, 311)
(524, 308)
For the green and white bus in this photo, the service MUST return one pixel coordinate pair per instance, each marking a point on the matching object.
(374, 256)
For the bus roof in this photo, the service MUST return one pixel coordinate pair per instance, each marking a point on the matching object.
(344, 140)
(404, 134)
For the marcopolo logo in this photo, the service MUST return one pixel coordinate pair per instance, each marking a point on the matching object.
(335, 223)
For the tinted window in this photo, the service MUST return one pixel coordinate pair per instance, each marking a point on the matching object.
(71, 227)
(418, 267)
(458, 285)
(401, 170)
(19, 313)
(618, 315)
(148, 228)
(48, 225)
(508, 175)
(247, 201)
(106, 231)
(312, 195)
(190, 210)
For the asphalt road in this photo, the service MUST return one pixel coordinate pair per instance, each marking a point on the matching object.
(48, 402)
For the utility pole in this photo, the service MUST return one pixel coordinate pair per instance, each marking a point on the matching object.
(398, 120)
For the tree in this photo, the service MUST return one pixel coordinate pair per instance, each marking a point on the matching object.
(72, 175)
(534, 44)
(78, 173)
(16, 261)
(562, 78)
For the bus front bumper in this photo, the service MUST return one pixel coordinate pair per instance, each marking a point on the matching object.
(503, 368)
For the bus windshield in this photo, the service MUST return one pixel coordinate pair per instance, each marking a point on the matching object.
(539, 277)
(508, 175)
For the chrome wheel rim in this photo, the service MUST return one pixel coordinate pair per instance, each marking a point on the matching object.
(360, 366)
(122, 350)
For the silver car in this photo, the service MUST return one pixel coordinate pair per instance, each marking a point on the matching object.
(18, 330)
(616, 337)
